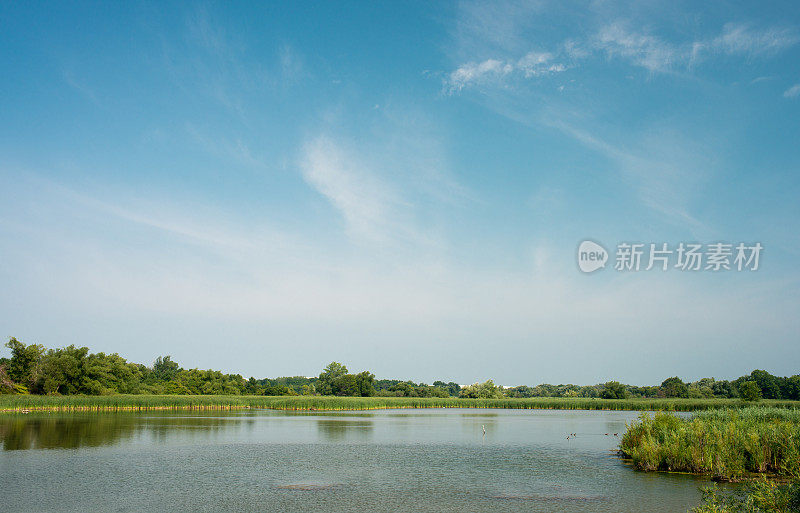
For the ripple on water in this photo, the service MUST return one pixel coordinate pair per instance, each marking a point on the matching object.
(551, 498)
(307, 487)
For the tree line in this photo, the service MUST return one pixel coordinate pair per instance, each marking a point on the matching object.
(70, 370)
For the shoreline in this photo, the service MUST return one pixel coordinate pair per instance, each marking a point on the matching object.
(132, 403)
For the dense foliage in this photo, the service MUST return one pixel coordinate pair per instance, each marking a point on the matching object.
(485, 390)
(23, 402)
(761, 496)
(727, 444)
(74, 370)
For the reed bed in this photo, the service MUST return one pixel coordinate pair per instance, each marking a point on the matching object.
(728, 444)
(17, 403)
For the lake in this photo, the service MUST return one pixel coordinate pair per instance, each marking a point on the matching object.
(435, 460)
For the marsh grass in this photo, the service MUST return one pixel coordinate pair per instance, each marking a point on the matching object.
(17, 403)
(728, 444)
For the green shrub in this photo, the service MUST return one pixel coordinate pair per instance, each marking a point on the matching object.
(726, 444)
(750, 391)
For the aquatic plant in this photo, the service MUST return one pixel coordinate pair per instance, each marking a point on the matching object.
(16, 403)
(760, 496)
(727, 444)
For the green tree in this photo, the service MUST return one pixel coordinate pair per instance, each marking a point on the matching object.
(437, 392)
(23, 359)
(794, 387)
(402, 389)
(452, 388)
(767, 383)
(750, 391)
(674, 387)
(345, 385)
(485, 390)
(253, 387)
(614, 390)
(105, 374)
(723, 388)
(164, 369)
(60, 371)
(365, 381)
(331, 373)
(6, 385)
(521, 391)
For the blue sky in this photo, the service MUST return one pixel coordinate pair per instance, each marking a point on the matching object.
(401, 186)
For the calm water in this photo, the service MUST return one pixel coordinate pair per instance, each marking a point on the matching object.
(390, 460)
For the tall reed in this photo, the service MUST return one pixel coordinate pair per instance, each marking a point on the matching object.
(727, 444)
(10, 403)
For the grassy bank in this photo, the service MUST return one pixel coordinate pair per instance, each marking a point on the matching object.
(726, 444)
(12, 403)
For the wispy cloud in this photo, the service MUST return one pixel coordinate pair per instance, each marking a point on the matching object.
(663, 167)
(473, 72)
(71, 78)
(292, 64)
(743, 39)
(98, 267)
(658, 55)
(620, 41)
(792, 92)
(391, 186)
(539, 63)
(209, 62)
(503, 26)
(533, 64)
(640, 49)
(98, 263)
(363, 201)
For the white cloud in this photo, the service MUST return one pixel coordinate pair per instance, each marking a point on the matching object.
(619, 41)
(504, 26)
(292, 66)
(473, 72)
(389, 187)
(76, 257)
(357, 194)
(575, 49)
(641, 49)
(664, 167)
(532, 64)
(538, 63)
(740, 39)
(658, 55)
(792, 92)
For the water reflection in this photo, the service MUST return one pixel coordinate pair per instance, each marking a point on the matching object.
(19, 433)
(340, 429)
(382, 461)
(55, 431)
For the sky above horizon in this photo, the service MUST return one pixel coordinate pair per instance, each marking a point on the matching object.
(401, 186)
